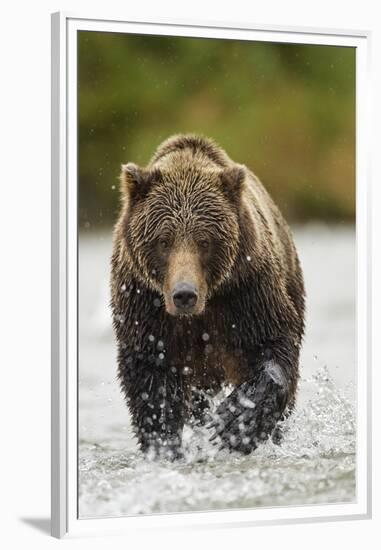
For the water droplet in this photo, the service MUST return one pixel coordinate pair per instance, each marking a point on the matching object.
(208, 348)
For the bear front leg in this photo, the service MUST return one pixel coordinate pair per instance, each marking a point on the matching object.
(155, 397)
(249, 415)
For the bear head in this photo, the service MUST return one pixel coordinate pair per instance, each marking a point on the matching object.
(181, 228)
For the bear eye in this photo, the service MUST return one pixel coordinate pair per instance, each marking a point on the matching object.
(164, 244)
(204, 244)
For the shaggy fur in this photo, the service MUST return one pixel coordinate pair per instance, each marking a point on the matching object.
(193, 214)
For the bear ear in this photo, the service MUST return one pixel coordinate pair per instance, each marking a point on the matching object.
(232, 179)
(136, 181)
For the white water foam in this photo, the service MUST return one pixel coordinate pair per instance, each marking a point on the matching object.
(314, 464)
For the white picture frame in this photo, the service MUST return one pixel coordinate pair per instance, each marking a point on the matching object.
(65, 520)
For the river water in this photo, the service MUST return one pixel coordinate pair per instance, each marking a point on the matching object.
(316, 461)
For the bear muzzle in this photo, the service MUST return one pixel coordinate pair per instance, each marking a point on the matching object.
(184, 296)
(184, 286)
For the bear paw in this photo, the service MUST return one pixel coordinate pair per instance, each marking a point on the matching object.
(249, 415)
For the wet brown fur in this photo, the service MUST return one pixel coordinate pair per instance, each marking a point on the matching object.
(251, 286)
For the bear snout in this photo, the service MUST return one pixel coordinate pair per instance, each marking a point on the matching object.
(184, 296)
(184, 287)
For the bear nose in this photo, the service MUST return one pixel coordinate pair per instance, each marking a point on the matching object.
(184, 295)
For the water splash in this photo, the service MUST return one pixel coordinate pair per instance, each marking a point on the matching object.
(314, 464)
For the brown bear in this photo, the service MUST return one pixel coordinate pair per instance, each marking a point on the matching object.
(207, 290)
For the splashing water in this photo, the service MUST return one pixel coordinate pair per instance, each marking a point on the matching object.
(314, 464)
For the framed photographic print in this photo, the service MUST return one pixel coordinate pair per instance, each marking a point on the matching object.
(210, 274)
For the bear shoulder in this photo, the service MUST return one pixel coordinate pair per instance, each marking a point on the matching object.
(194, 144)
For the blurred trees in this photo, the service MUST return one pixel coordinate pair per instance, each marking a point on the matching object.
(287, 111)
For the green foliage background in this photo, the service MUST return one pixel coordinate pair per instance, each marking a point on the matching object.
(285, 110)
